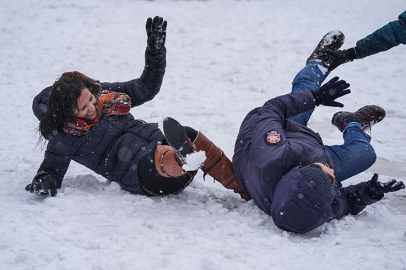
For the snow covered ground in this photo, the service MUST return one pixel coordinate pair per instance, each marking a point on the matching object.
(224, 58)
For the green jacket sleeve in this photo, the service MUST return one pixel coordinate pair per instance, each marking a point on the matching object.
(389, 36)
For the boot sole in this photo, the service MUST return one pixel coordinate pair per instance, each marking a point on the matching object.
(176, 136)
(327, 41)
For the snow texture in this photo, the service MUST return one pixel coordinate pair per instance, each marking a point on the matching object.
(194, 161)
(224, 58)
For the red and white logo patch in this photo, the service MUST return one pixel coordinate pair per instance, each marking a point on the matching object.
(273, 138)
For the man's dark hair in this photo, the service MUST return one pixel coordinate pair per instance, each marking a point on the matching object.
(319, 167)
(63, 100)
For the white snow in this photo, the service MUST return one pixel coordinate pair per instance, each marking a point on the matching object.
(194, 161)
(224, 58)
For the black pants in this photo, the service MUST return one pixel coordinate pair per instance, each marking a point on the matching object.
(155, 184)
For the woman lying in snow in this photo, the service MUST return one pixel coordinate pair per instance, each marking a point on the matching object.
(90, 122)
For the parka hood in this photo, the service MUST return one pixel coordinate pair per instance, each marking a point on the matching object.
(296, 206)
(39, 104)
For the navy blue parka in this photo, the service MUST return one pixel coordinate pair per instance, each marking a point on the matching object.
(114, 145)
(268, 169)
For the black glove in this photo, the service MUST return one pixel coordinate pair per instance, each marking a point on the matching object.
(43, 185)
(336, 58)
(376, 189)
(331, 90)
(156, 32)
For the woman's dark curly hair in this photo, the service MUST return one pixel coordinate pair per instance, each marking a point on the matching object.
(63, 101)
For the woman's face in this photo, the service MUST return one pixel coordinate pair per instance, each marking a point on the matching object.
(86, 105)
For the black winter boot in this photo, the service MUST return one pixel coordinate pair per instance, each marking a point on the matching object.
(366, 116)
(333, 41)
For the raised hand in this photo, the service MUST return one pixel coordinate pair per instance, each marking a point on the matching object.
(156, 32)
(330, 91)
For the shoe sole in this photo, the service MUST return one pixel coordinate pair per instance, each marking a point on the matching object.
(176, 136)
(327, 40)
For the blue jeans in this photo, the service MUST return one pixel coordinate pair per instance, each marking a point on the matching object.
(356, 154)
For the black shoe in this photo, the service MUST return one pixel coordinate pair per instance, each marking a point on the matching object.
(176, 137)
(333, 41)
(366, 116)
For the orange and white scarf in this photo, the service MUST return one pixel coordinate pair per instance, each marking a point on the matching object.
(110, 103)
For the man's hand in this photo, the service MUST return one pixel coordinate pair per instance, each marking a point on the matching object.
(330, 91)
(43, 185)
(336, 58)
(376, 189)
(156, 32)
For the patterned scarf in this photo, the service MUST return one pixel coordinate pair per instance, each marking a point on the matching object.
(110, 103)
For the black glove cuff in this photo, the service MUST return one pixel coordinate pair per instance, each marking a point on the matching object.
(317, 98)
(351, 54)
(48, 178)
(159, 53)
(43, 174)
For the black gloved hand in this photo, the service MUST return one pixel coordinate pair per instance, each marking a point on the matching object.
(376, 189)
(331, 90)
(336, 57)
(43, 185)
(156, 32)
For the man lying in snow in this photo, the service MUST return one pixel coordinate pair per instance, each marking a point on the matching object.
(284, 165)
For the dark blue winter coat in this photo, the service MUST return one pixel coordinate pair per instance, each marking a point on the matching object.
(115, 144)
(268, 152)
(390, 35)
